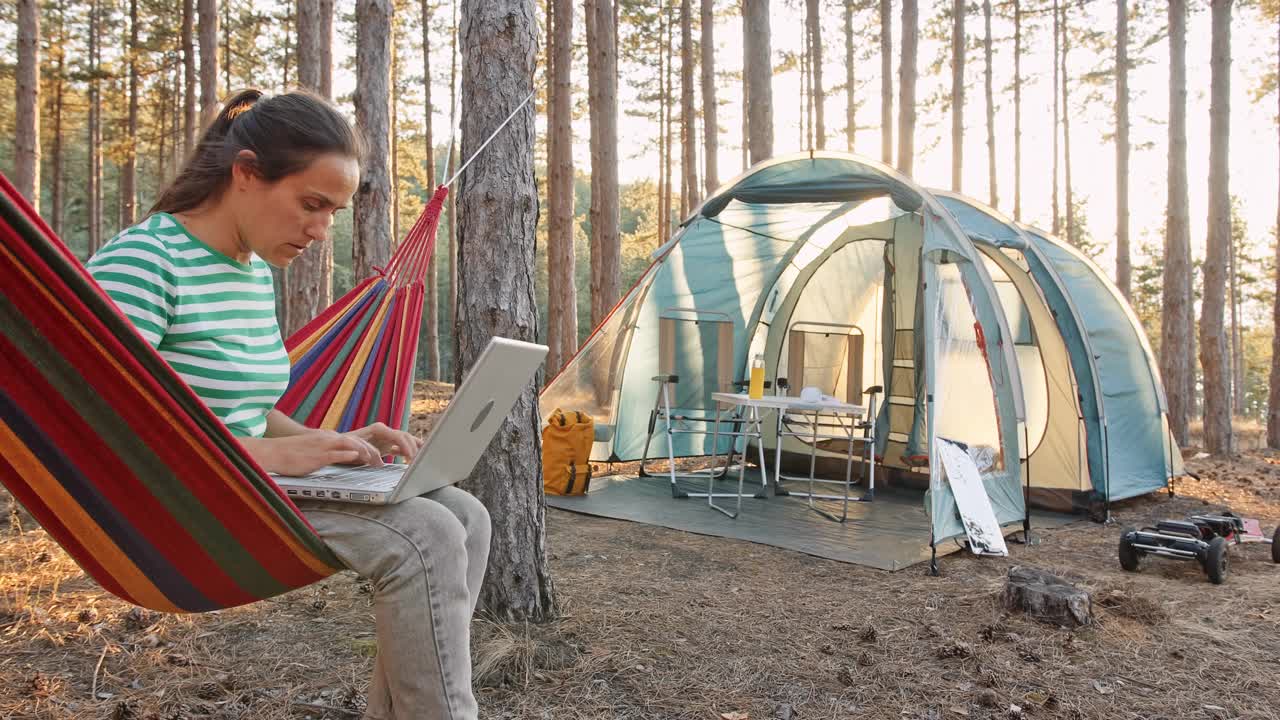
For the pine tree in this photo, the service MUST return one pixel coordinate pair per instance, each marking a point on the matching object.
(498, 211)
(606, 248)
(562, 302)
(993, 188)
(371, 246)
(1177, 365)
(26, 175)
(1218, 437)
(1124, 270)
(710, 129)
(886, 82)
(958, 43)
(759, 63)
(907, 87)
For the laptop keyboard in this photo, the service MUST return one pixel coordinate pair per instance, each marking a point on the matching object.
(356, 478)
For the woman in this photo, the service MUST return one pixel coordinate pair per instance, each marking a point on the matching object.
(263, 184)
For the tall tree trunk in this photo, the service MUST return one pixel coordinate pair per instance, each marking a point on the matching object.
(372, 244)
(429, 155)
(813, 21)
(309, 280)
(668, 143)
(562, 296)
(26, 161)
(1124, 270)
(451, 205)
(1273, 397)
(663, 154)
(606, 244)
(957, 93)
(1057, 50)
(907, 87)
(1213, 342)
(1237, 353)
(1177, 365)
(208, 29)
(309, 44)
(886, 82)
(993, 185)
(190, 126)
(688, 118)
(60, 74)
(710, 128)
(759, 78)
(806, 97)
(94, 190)
(129, 181)
(496, 237)
(850, 107)
(227, 55)
(746, 87)
(1017, 111)
(1070, 204)
(326, 49)
(395, 130)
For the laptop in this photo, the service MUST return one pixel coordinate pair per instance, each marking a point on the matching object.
(453, 446)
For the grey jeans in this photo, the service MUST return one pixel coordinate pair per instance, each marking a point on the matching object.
(426, 558)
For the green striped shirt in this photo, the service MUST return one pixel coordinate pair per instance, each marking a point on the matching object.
(212, 318)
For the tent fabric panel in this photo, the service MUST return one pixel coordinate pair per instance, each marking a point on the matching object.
(1055, 447)
(1134, 438)
(715, 267)
(817, 178)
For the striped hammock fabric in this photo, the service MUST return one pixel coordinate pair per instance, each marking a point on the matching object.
(353, 364)
(126, 468)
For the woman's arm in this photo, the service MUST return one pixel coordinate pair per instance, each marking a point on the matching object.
(281, 425)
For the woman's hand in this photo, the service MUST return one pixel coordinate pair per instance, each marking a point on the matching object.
(298, 455)
(384, 440)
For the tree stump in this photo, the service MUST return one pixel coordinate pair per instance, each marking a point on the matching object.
(1046, 597)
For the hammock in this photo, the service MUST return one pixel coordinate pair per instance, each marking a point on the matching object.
(128, 470)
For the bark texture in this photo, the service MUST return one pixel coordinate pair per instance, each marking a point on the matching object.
(372, 244)
(190, 123)
(907, 86)
(1177, 365)
(1213, 338)
(309, 280)
(432, 320)
(813, 20)
(886, 82)
(606, 242)
(993, 184)
(759, 60)
(1046, 597)
(851, 106)
(562, 309)
(1124, 270)
(1273, 397)
(688, 118)
(499, 213)
(710, 130)
(208, 29)
(957, 93)
(26, 161)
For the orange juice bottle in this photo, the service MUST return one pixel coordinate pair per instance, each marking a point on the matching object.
(755, 390)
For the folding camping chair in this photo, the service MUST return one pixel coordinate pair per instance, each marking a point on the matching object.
(822, 355)
(684, 405)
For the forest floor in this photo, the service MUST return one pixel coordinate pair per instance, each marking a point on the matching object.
(657, 623)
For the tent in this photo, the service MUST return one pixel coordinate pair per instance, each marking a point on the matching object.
(1097, 413)
(831, 237)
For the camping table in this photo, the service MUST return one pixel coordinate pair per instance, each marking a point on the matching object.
(748, 411)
